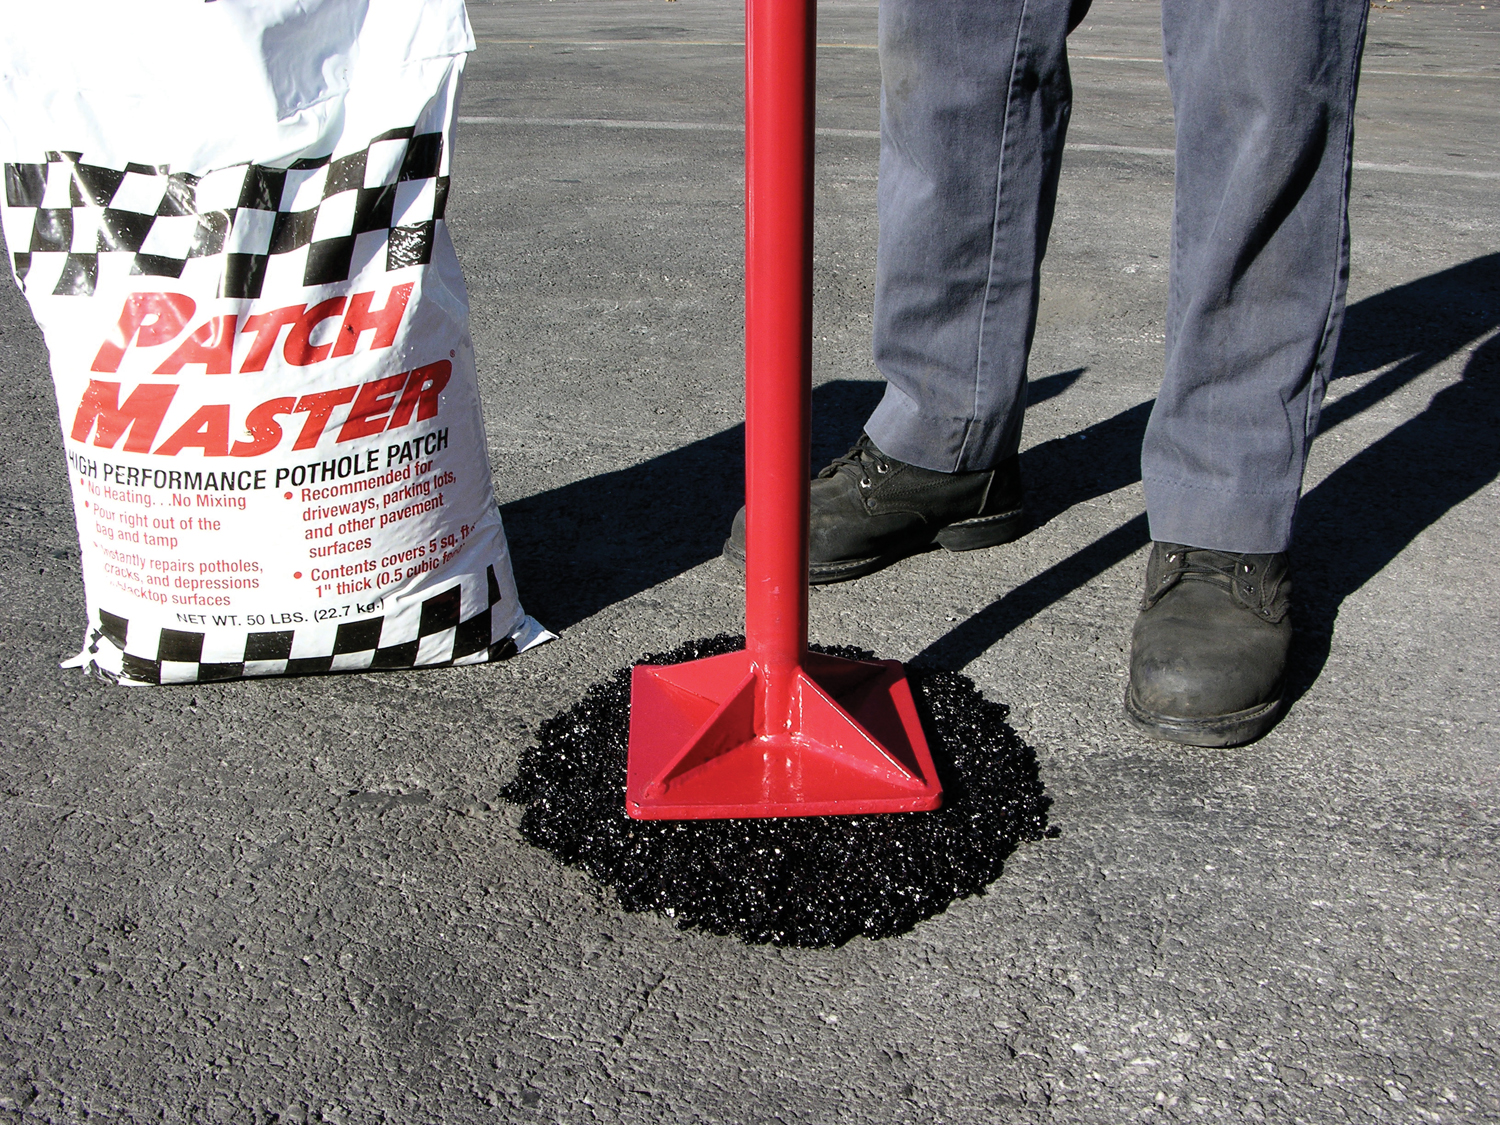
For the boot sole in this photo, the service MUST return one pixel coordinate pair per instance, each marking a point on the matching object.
(966, 535)
(1219, 732)
(983, 531)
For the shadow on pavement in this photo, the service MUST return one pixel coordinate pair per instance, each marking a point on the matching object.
(1356, 520)
(1059, 474)
(583, 546)
(1050, 386)
(972, 638)
(1370, 508)
(1415, 326)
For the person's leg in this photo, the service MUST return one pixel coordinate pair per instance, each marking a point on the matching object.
(975, 98)
(1264, 102)
(974, 105)
(1264, 99)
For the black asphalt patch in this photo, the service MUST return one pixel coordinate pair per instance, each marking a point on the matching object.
(803, 881)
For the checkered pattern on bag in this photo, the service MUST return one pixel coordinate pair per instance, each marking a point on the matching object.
(71, 224)
(435, 633)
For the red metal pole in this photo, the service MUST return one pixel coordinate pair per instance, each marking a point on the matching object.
(779, 66)
(776, 730)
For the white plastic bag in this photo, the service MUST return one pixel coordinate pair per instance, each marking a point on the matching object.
(228, 220)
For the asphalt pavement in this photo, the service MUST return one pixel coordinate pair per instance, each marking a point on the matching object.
(305, 901)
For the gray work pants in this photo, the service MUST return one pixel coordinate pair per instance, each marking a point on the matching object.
(974, 110)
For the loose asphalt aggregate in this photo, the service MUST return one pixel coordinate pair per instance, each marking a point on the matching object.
(307, 901)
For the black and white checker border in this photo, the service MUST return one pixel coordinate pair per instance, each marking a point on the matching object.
(72, 224)
(435, 633)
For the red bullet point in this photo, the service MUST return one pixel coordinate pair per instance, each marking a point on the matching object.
(296, 574)
(288, 495)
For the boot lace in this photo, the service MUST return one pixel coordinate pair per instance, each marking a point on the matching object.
(1235, 572)
(862, 458)
(1198, 560)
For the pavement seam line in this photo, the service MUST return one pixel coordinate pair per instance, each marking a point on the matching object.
(875, 46)
(874, 134)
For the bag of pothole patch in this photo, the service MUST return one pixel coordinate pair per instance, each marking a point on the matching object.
(228, 220)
